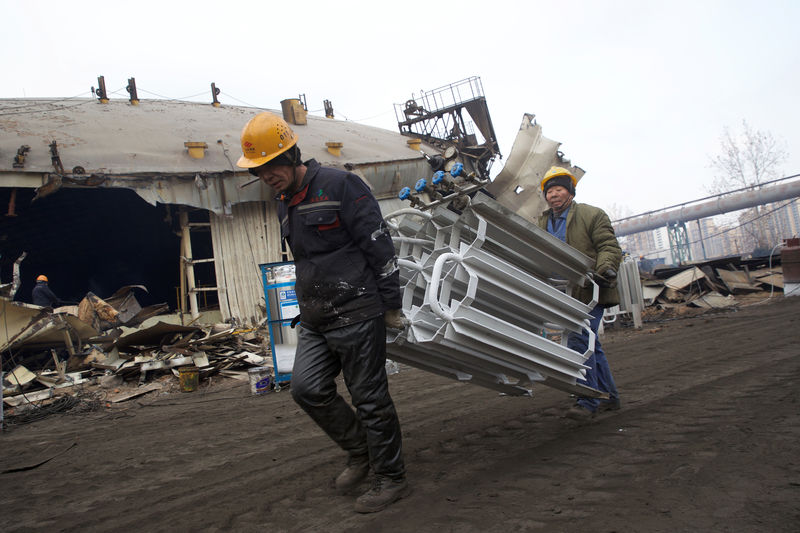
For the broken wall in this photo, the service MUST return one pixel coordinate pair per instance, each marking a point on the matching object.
(247, 238)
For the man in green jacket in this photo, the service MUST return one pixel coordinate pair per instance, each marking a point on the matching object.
(587, 229)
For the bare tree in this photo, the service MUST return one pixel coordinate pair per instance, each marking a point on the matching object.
(617, 211)
(748, 159)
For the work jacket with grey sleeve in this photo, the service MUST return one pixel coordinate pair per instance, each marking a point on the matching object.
(344, 257)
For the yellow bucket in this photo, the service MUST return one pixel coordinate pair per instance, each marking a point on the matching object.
(189, 378)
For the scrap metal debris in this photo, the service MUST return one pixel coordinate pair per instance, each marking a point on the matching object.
(715, 284)
(115, 344)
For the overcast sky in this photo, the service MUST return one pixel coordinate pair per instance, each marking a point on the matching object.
(638, 92)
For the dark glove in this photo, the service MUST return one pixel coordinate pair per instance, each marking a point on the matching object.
(608, 279)
(394, 319)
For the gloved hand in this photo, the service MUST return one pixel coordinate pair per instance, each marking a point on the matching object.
(394, 319)
(608, 279)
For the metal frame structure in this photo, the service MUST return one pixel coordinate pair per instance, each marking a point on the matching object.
(449, 116)
(486, 294)
(679, 243)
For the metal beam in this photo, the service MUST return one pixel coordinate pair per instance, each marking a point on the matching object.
(712, 206)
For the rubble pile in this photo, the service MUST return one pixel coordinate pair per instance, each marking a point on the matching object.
(710, 285)
(116, 344)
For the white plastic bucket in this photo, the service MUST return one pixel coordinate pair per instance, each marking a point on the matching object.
(260, 379)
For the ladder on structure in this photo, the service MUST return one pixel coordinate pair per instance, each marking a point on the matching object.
(189, 289)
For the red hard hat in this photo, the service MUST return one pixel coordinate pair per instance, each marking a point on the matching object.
(42, 277)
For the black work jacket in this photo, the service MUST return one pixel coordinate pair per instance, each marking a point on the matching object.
(344, 257)
(42, 295)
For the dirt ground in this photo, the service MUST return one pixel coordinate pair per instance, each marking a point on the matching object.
(708, 439)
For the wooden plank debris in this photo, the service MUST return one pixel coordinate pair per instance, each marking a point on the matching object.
(714, 300)
(166, 363)
(153, 335)
(20, 376)
(736, 281)
(725, 282)
(124, 396)
(28, 397)
(776, 280)
(650, 293)
(768, 276)
(121, 352)
(684, 279)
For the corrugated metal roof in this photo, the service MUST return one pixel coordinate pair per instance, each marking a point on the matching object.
(118, 138)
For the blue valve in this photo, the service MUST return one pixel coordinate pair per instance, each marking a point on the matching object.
(405, 193)
(438, 177)
(457, 170)
(421, 184)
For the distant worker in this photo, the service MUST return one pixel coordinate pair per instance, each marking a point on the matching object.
(348, 290)
(43, 295)
(587, 229)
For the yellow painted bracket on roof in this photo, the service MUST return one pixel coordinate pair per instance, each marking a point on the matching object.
(197, 150)
(414, 144)
(335, 148)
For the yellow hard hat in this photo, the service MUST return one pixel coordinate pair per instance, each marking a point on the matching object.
(42, 277)
(265, 137)
(554, 172)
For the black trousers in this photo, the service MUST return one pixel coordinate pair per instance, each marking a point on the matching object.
(359, 352)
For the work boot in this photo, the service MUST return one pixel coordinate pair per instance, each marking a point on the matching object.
(352, 476)
(576, 412)
(609, 405)
(384, 492)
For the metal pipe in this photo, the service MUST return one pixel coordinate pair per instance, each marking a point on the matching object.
(409, 211)
(411, 240)
(432, 295)
(411, 265)
(718, 205)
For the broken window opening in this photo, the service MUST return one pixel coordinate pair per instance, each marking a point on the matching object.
(91, 240)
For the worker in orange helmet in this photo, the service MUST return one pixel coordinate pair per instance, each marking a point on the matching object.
(43, 295)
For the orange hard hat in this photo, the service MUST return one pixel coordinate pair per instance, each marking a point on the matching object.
(42, 277)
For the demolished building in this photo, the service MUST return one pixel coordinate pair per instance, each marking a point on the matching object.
(103, 194)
